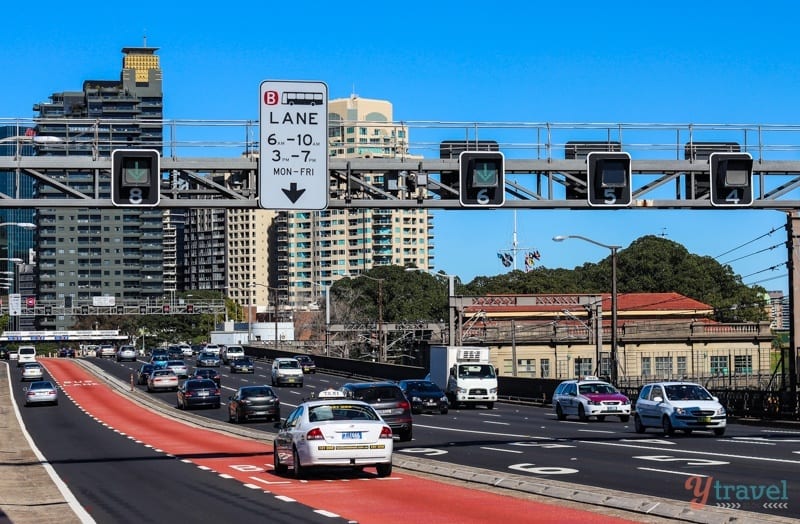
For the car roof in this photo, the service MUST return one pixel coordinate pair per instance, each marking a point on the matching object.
(333, 402)
(362, 385)
(672, 383)
(41, 384)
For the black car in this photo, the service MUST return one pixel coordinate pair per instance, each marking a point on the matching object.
(207, 373)
(143, 373)
(243, 365)
(424, 395)
(307, 363)
(388, 400)
(3, 353)
(252, 402)
(66, 352)
(198, 392)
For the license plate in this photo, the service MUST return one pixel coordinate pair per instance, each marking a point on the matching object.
(705, 420)
(204, 393)
(351, 435)
(384, 412)
(612, 409)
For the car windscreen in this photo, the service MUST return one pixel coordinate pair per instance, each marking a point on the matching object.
(341, 412)
(289, 364)
(597, 388)
(687, 392)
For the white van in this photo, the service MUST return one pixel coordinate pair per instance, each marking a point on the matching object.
(287, 371)
(26, 354)
(232, 353)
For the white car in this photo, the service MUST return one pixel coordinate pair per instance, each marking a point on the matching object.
(32, 371)
(212, 348)
(127, 353)
(333, 433)
(231, 353)
(26, 354)
(162, 379)
(186, 349)
(287, 371)
(590, 397)
(178, 367)
(681, 406)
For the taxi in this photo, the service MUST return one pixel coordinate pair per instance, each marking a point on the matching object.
(590, 397)
(333, 431)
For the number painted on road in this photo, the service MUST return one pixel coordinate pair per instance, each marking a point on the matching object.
(542, 470)
(424, 451)
(247, 468)
(688, 461)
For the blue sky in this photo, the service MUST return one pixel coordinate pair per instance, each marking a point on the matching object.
(627, 62)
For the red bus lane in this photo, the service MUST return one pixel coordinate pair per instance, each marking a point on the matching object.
(403, 497)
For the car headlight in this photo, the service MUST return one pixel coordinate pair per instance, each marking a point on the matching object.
(493, 391)
(680, 411)
(416, 399)
(721, 411)
(592, 402)
(443, 398)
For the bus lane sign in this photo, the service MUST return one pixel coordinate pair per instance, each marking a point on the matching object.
(293, 145)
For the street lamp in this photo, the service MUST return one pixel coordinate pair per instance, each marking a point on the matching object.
(451, 292)
(274, 311)
(327, 289)
(23, 225)
(613, 249)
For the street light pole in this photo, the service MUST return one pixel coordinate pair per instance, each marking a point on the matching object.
(451, 293)
(381, 346)
(613, 248)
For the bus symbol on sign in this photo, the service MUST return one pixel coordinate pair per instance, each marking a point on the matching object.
(290, 98)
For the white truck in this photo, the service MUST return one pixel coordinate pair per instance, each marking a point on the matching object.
(465, 375)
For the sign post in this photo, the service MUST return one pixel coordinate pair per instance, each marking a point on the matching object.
(293, 145)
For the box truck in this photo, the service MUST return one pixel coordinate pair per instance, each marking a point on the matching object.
(464, 374)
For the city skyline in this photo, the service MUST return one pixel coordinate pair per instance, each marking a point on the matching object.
(661, 69)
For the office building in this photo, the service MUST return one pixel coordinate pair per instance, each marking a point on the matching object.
(314, 249)
(84, 253)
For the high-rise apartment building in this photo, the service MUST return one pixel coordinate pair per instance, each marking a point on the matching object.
(84, 253)
(314, 249)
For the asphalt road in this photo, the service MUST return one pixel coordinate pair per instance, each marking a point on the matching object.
(527, 442)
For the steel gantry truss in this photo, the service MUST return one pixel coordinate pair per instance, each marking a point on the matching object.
(545, 164)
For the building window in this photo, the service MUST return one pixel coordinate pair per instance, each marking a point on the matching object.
(646, 370)
(743, 364)
(526, 366)
(681, 369)
(583, 367)
(545, 367)
(663, 367)
(719, 364)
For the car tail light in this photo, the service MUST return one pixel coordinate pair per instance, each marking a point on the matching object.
(316, 434)
(404, 404)
(216, 392)
(386, 432)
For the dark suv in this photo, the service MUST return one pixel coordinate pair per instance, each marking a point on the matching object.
(388, 400)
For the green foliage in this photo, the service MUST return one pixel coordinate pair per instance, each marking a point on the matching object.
(651, 264)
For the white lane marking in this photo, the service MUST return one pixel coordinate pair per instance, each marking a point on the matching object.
(674, 472)
(325, 513)
(597, 431)
(225, 476)
(495, 422)
(503, 450)
(284, 498)
(269, 482)
(707, 453)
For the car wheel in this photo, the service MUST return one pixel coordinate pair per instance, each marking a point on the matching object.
(405, 436)
(687, 431)
(299, 472)
(490, 405)
(582, 413)
(384, 470)
(280, 468)
(624, 418)
(443, 411)
(601, 418)
(560, 413)
(637, 424)
(719, 431)
(666, 425)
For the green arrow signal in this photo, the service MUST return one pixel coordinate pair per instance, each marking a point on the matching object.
(484, 174)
